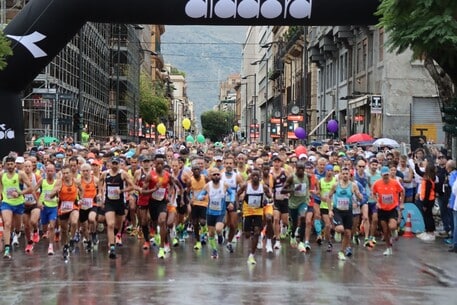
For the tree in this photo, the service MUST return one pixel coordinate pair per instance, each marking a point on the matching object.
(429, 29)
(216, 124)
(5, 50)
(153, 104)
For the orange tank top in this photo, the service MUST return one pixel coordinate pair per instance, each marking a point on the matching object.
(67, 198)
(89, 194)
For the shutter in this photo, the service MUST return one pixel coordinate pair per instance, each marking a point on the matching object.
(426, 118)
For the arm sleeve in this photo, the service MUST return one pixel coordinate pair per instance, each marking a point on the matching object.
(231, 193)
(202, 195)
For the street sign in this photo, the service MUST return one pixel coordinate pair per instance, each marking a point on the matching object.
(46, 121)
(376, 104)
(48, 96)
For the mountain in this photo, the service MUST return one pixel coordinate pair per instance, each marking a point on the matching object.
(207, 54)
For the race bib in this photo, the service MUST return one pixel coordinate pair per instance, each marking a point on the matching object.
(300, 189)
(10, 191)
(356, 210)
(215, 205)
(387, 199)
(66, 206)
(159, 194)
(342, 204)
(114, 192)
(87, 203)
(47, 196)
(254, 201)
(278, 194)
(29, 199)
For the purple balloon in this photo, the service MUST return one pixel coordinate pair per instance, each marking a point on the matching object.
(300, 133)
(332, 126)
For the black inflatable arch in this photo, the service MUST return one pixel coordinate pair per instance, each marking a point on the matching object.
(44, 27)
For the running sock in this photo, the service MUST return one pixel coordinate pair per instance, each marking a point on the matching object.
(145, 230)
(212, 242)
(318, 226)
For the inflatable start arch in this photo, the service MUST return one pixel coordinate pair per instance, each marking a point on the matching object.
(44, 27)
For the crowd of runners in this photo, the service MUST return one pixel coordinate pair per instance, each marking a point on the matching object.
(333, 196)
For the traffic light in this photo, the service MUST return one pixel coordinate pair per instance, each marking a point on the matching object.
(77, 122)
(450, 119)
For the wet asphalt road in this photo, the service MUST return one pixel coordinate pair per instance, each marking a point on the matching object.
(417, 273)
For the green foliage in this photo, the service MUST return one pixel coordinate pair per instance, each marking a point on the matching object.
(428, 27)
(175, 71)
(217, 124)
(5, 50)
(153, 104)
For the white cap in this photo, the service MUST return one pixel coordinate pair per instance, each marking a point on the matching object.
(303, 156)
(312, 158)
(20, 160)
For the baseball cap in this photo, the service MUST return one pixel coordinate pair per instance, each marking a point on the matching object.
(312, 158)
(384, 170)
(341, 154)
(217, 158)
(301, 156)
(143, 158)
(275, 158)
(115, 160)
(328, 167)
(20, 160)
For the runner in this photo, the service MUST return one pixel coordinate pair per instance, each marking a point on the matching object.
(12, 200)
(281, 205)
(326, 184)
(389, 194)
(32, 209)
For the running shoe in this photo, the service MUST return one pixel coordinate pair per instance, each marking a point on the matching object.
(251, 259)
(277, 245)
(146, 245)
(36, 237)
(293, 242)
(175, 242)
(214, 255)
(319, 240)
(301, 247)
(341, 256)
(50, 250)
(348, 252)
(29, 247)
(65, 252)
(268, 246)
(88, 246)
(203, 238)
(7, 253)
(15, 241)
(112, 252)
(259, 244)
(198, 245)
(373, 240)
(167, 248)
(238, 235)
(119, 240)
(307, 246)
(448, 241)
(368, 243)
(161, 253)
(329, 247)
(388, 252)
(355, 239)
(230, 247)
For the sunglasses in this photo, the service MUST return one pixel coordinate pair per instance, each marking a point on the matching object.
(216, 174)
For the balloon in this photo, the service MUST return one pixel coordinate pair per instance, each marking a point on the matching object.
(300, 133)
(161, 129)
(201, 138)
(186, 123)
(332, 126)
(300, 149)
(236, 128)
(190, 139)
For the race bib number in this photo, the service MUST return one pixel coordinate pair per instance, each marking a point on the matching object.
(9, 192)
(66, 206)
(278, 194)
(254, 201)
(300, 189)
(215, 205)
(387, 199)
(87, 203)
(47, 196)
(356, 210)
(159, 194)
(342, 204)
(114, 192)
(29, 199)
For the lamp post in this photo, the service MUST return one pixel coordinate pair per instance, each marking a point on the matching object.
(266, 93)
(253, 101)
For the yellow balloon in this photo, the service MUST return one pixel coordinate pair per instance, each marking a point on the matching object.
(236, 128)
(161, 129)
(186, 123)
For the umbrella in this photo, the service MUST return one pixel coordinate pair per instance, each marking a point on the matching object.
(45, 140)
(386, 142)
(359, 137)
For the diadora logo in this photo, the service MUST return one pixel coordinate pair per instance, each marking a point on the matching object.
(249, 9)
(6, 133)
(29, 42)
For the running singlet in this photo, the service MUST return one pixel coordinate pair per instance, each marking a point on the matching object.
(46, 189)
(89, 194)
(67, 197)
(143, 200)
(278, 184)
(325, 187)
(162, 183)
(253, 201)
(231, 182)
(30, 199)
(342, 199)
(113, 186)
(10, 185)
(216, 201)
(387, 193)
(196, 186)
(300, 194)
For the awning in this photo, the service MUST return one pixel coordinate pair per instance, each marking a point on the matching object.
(322, 122)
(358, 102)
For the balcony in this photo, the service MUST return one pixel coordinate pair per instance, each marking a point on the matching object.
(294, 41)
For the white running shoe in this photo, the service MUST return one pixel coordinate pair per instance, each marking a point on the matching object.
(259, 244)
(277, 245)
(388, 252)
(268, 246)
(15, 241)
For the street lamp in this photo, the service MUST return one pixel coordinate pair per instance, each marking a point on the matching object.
(266, 93)
(253, 100)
